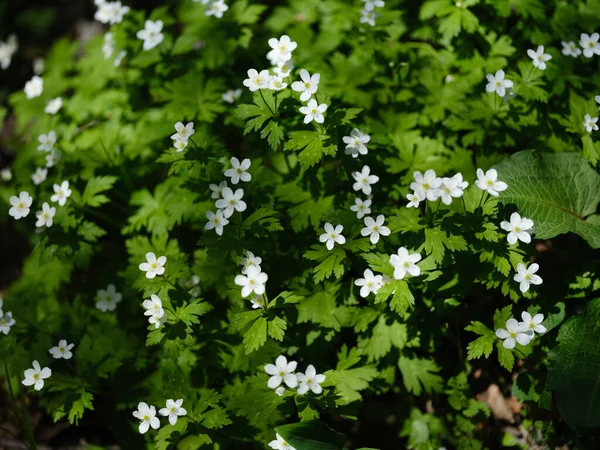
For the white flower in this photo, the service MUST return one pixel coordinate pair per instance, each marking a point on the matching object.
(253, 281)
(52, 158)
(426, 186)
(108, 299)
(34, 87)
(250, 261)
(280, 391)
(590, 123)
(180, 145)
(452, 188)
(368, 17)
(38, 66)
(370, 283)
(405, 263)
(331, 236)
(497, 83)
(308, 86)
(256, 80)
(280, 444)
(526, 276)
(119, 58)
(371, 4)
(276, 83)
(147, 416)
(570, 49)
(514, 332)
(47, 141)
(151, 34)
(239, 171)
(361, 208)
(45, 216)
(61, 193)
(157, 321)
(153, 266)
(597, 98)
(539, 57)
(313, 111)
(231, 202)
(62, 350)
(53, 106)
(488, 181)
(153, 307)
(414, 199)
(355, 143)
(589, 44)
(257, 302)
(533, 324)
(518, 228)
(173, 410)
(364, 180)
(6, 174)
(375, 228)
(282, 371)
(184, 132)
(310, 380)
(109, 45)
(110, 12)
(216, 221)
(35, 377)
(217, 8)
(20, 205)
(284, 70)
(217, 190)
(282, 49)
(231, 95)
(39, 176)
(7, 50)
(6, 321)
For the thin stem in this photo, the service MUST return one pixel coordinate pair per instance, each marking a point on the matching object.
(263, 97)
(464, 205)
(483, 194)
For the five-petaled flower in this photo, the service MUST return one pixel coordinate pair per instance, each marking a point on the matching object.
(497, 83)
(20, 205)
(61, 193)
(332, 235)
(216, 221)
(282, 371)
(570, 49)
(231, 95)
(6, 321)
(280, 443)
(184, 132)
(519, 228)
(310, 380)
(526, 276)
(151, 34)
(488, 181)
(364, 180)
(282, 49)
(590, 44)
(370, 283)
(375, 228)
(252, 282)
(313, 111)
(239, 170)
(250, 261)
(34, 87)
(217, 189)
(590, 123)
(153, 266)
(533, 324)
(108, 298)
(231, 201)
(173, 410)
(45, 217)
(308, 86)
(427, 185)
(154, 309)
(515, 332)
(405, 262)
(539, 57)
(452, 188)
(53, 106)
(361, 208)
(355, 143)
(35, 377)
(39, 176)
(216, 8)
(62, 350)
(257, 80)
(147, 417)
(47, 141)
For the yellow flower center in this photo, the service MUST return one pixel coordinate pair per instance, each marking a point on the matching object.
(36, 376)
(21, 205)
(154, 265)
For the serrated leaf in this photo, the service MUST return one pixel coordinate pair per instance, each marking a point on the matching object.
(420, 374)
(256, 336)
(484, 344)
(91, 194)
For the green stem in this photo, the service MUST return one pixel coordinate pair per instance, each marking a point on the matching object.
(464, 205)
(483, 194)
(104, 217)
(263, 97)
(22, 418)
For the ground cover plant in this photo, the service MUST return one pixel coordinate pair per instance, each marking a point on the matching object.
(309, 224)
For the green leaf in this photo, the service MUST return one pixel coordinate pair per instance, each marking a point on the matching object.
(91, 194)
(276, 328)
(312, 146)
(559, 192)
(190, 313)
(273, 133)
(402, 297)
(574, 372)
(331, 261)
(311, 435)
(256, 336)
(384, 335)
(79, 406)
(420, 374)
(484, 344)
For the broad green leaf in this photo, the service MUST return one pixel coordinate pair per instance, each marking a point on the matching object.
(91, 194)
(311, 435)
(559, 192)
(420, 374)
(484, 344)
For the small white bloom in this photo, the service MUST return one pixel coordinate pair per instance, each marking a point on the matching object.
(256, 80)
(147, 417)
(590, 123)
(280, 391)
(597, 98)
(514, 333)
(526, 276)
(308, 86)
(368, 17)
(20, 205)
(47, 141)
(414, 199)
(533, 324)
(151, 34)
(7, 50)
(239, 171)
(258, 302)
(375, 228)
(282, 49)
(313, 111)
(53, 106)
(497, 83)
(427, 186)
(217, 190)
(355, 143)
(518, 228)
(276, 83)
(452, 188)
(61, 193)
(62, 350)
(253, 281)
(38, 66)
(331, 236)
(109, 45)
(284, 70)
(570, 49)
(184, 132)
(52, 158)
(488, 181)
(250, 261)
(34, 87)
(231, 95)
(539, 57)
(217, 8)
(364, 180)
(180, 145)
(280, 443)
(173, 410)
(590, 44)
(119, 58)
(6, 321)
(153, 266)
(370, 283)
(35, 377)
(216, 221)
(6, 174)
(282, 371)
(361, 208)
(153, 307)
(371, 4)
(404, 263)
(231, 201)
(108, 298)
(45, 216)
(310, 380)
